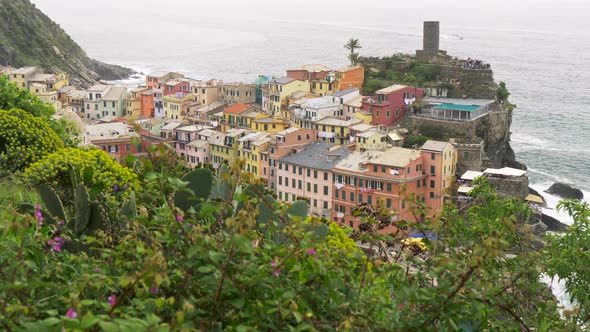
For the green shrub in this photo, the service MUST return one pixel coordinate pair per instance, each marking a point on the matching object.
(55, 170)
(24, 139)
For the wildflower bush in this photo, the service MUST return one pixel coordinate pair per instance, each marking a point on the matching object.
(225, 255)
(24, 139)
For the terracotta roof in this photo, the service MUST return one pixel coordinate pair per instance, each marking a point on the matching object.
(237, 109)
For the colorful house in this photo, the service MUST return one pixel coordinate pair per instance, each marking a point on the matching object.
(237, 93)
(239, 116)
(389, 105)
(205, 92)
(334, 130)
(306, 173)
(183, 135)
(177, 85)
(349, 77)
(269, 125)
(158, 79)
(440, 163)
(140, 103)
(225, 147)
(276, 92)
(177, 106)
(250, 147)
(377, 176)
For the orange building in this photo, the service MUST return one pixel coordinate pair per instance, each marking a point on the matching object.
(349, 77)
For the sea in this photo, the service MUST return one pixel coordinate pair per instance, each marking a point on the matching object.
(540, 48)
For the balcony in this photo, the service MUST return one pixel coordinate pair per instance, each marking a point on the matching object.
(376, 101)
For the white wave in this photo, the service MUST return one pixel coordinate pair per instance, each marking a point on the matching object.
(552, 201)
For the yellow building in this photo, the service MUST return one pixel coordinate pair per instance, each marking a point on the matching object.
(176, 107)
(269, 125)
(322, 88)
(133, 107)
(440, 161)
(225, 146)
(46, 95)
(276, 93)
(21, 76)
(251, 148)
(239, 116)
(371, 140)
(334, 130)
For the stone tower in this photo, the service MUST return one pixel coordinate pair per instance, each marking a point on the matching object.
(431, 38)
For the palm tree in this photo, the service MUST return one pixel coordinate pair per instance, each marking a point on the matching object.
(354, 58)
(352, 44)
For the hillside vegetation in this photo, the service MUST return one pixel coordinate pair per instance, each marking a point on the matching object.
(28, 37)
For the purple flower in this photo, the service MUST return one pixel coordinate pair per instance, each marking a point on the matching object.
(115, 187)
(112, 300)
(255, 243)
(274, 263)
(71, 313)
(275, 272)
(311, 251)
(179, 218)
(56, 243)
(153, 289)
(126, 186)
(97, 270)
(38, 215)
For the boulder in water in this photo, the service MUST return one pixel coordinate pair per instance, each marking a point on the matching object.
(553, 225)
(565, 191)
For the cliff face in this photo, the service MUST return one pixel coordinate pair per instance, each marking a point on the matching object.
(28, 37)
(493, 129)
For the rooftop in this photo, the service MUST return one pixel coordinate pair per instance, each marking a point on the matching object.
(198, 143)
(238, 108)
(208, 132)
(362, 127)
(355, 102)
(349, 68)
(288, 131)
(171, 125)
(253, 137)
(313, 68)
(391, 89)
(344, 92)
(98, 88)
(368, 134)
(193, 128)
(320, 102)
(283, 80)
(330, 121)
(115, 93)
(466, 101)
(437, 146)
(393, 157)
(506, 171)
(457, 107)
(107, 130)
(317, 155)
(471, 175)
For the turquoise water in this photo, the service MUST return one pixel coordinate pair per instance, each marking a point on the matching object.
(540, 48)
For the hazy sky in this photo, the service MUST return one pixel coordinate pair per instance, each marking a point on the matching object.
(542, 14)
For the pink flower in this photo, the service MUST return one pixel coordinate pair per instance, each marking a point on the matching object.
(274, 263)
(276, 272)
(39, 215)
(56, 243)
(255, 243)
(179, 218)
(71, 313)
(112, 300)
(311, 251)
(154, 289)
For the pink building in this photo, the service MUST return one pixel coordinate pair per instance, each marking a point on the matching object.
(307, 174)
(183, 135)
(176, 86)
(283, 143)
(389, 105)
(197, 152)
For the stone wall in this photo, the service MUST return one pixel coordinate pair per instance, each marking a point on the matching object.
(511, 187)
(470, 156)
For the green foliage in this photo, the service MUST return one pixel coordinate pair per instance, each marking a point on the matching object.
(55, 168)
(414, 140)
(568, 258)
(12, 96)
(24, 139)
(502, 93)
(352, 44)
(198, 189)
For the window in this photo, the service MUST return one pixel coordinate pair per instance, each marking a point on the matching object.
(300, 170)
(432, 170)
(315, 203)
(377, 114)
(294, 169)
(286, 181)
(418, 167)
(336, 193)
(360, 198)
(315, 188)
(309, 187)
(375, 168)
(389, 203)
(299, 137)
(396, 113)
(287, 197)
(370, 199)
(383, 169)
(325, 190)
(315, 174)
(325, 204)
(418, 184)
(280, 195)
(403, 204)
(286, 167)
(352, 196)
(389, 187)
(300, 185)
(431, 194)
(388, 113)
(431, 183)
(432, 156)
(293, 183)
(325, 176)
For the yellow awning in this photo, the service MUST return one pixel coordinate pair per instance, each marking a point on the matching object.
(534, 199)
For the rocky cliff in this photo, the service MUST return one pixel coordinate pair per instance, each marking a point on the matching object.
(28, 37)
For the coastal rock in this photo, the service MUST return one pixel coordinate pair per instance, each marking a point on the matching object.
(553, 225)
(565, 191)
(29, 38)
